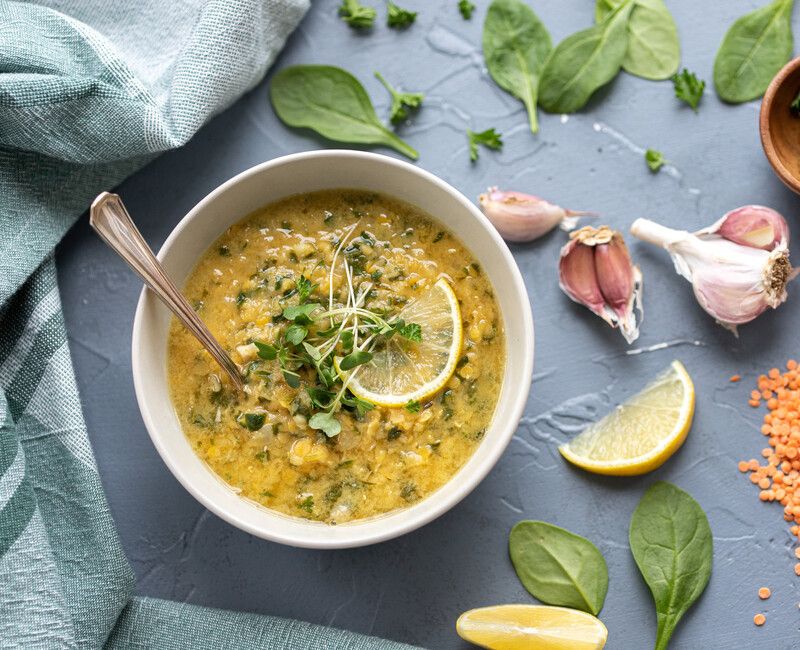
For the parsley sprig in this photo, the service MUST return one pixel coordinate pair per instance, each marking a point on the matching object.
(688, 88)
(401, 102)
(357, 15)
(488, 138)
(314, 335)
(399, 18)
(466, 8)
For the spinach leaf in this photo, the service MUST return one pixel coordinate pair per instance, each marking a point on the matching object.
(654, 51)
(671, 542)
(752, 52)
(558, 567)
(466, 8)
(515, 45)
(584, 62)
(333, 103)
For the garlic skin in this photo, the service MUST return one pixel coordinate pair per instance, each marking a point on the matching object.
(522, 217)
(596, 271)
(754, 226)
(732, 281)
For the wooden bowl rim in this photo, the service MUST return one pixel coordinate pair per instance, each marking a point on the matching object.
(791, 181)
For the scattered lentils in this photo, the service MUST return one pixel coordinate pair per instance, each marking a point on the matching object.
(759, 619)
(764, 593)
(779, 478)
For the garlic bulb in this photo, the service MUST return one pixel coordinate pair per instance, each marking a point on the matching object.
(738, 267)
(596, 271)
(522, 217)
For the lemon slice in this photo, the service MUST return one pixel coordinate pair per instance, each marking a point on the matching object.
(640, 434)
(402, 371)
(531, 627)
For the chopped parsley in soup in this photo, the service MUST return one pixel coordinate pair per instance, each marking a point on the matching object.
(373, 353)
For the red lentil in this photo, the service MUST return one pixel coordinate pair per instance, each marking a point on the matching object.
(778, 479)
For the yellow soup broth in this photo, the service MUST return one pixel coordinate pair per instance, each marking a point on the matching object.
(260, 441)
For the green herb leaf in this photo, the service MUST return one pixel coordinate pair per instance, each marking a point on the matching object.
(558, 567)
(755, 47)
(688, 88)
(295, 334)
(355, 358)
(412, 406)
(399, 18)
(584, 62)
(410, 331)
(466, 8)
(401, 102)
(320, 397)
(301, 314)
(307, 504)
(515, 46)
(357, 15)
(654, 51)
(488, 138)
(672, 544)
(794, 107)
(291, 378)
(360, 405)
(327, 422)
(312, 352)
(655, 159)
(332, 102)
(252, 421)
(266, 351)
(304, 288)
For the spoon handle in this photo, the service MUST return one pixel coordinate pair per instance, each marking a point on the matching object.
(111, 221)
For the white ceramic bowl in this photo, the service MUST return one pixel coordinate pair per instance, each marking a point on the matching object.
(271, 181)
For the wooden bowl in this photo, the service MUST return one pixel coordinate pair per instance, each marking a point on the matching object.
(780, 128)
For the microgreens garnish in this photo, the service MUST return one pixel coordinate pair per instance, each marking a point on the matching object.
(314, 335)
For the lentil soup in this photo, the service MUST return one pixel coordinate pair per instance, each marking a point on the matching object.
(364, 459)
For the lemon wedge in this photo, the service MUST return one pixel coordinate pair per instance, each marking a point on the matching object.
(403, 371)
(531, 627)
(641, 434)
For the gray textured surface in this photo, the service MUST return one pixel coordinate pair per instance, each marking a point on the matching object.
(413, 588)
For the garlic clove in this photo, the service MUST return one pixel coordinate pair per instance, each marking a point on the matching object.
(755, 226)
(577, 277)
(520, 217)
(618, 279)
(596, 271)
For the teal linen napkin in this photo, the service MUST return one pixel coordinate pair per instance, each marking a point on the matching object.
(89, 92)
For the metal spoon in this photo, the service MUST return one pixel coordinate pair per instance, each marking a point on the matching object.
(111, 221)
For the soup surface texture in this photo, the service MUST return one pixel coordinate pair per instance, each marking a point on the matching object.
(262, 442)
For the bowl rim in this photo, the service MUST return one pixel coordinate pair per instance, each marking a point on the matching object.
(765, 126)
(436, 503)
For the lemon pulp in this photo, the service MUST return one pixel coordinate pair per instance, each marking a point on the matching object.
(641, 434)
